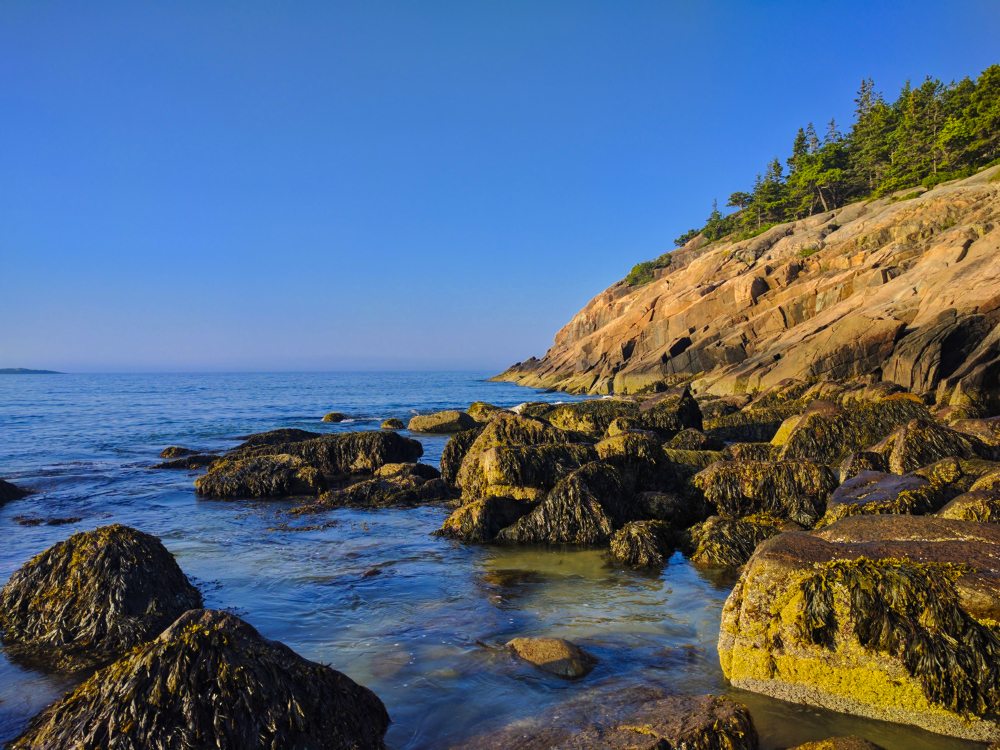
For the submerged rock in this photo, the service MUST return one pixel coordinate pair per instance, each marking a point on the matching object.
(892, 618)
(554, 655)
(442, 422)
(730, 542)
(190, 461)
(482, 520)
(279, 475)
(583, 508)
(334, 416)
(89, 599)
(643, 544)
(630, 719)
(392, 424)
(792, 490)
(10, 492)
(211, 680)
(176, 451)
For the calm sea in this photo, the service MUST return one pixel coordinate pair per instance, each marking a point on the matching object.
(413, 633)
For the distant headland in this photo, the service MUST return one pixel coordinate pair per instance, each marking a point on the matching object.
(25, 371)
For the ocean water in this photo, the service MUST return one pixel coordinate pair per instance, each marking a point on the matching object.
(418, 633)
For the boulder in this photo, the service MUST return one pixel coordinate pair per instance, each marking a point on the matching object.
(176, 451)
(482, 411)
(827, 432)
(10, 492)
(987, 430)
(334, 416)
(874, 493)
(454, 453)
(382, 491)
(892, 618)
(392, 424)
(748, 452)
(276, 437)
(640, 458)
(592, 417)
(729, 542)
(583, 508)
(525, 472)
(692, 439)
(619, 425)
(790, 490)
(211, 680)
(269, 476)
(750, 424)
(422, 471)
(976, 505)
(629, 719)
(922, 441)
(554, 655)
(670, 412)
(855, 463)
(89, 599)
(482, 520)
(643, 544)
(442, 422)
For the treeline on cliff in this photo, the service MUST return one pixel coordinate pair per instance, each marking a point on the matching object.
(931, 133)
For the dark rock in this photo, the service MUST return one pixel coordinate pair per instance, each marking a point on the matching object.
(392, 424)
(678, 509)
(211, 680)
(525, 472)
(10, 492)
(729, 542)
(640, 458)
(592, 417)
(790, 490)
(190, 462)
(643, 544)
(442, 422)
(266, 476)
(554, 655)
(454, 452)
(381, 492)
(334, 416)
(855, 463)
(50, 521)
(482, 520)
(691, 439)
(982, 506)
(839, 743)
(751, 425)
(423, 471)
(583, 508)
(276, 437)
(670, 412)
(89, 599)
(175, 451)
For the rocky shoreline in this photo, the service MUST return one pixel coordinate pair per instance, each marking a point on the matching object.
(859, 518)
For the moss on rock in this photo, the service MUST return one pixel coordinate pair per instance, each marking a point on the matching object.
(87, 600)
(211, 680)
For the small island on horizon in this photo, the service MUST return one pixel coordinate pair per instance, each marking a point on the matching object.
(26, 371)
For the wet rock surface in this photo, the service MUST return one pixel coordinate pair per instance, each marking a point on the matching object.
(10, 492)
(211, 680)
(89, 599)
(554, 655)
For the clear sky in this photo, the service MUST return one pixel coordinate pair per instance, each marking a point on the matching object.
(338, 185)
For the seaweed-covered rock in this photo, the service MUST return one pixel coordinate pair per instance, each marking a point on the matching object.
(482, 411)
(839, 743)
(729, 542)
(383, 491)
(279, 475)
(334, 416)
(875, 493)
(643, 544)
(827, 433)
(976, 505)
(211, 680)
(190, 461)
(923, 441)
(792, 490)
(678, 509)
(748, 452)
(276, 437)
(893, 618)
(670, 412)
(986, 430)
(87, 600)
(176, 451)
(583, 508)
(640, 458)
(688, 463)
(629, 719)
(619, 425)
(392, 424)
(855, 463)
(750, 425)
(524, 472)
(691, 439)
(592, 417)
(10, 492)
(454, 453)
(554, 655)
(482, 520)
(440, 422)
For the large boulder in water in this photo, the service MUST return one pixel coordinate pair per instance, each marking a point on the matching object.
(583, 508)
(441, 422)
(10, 492)
(211, 680)
(482, 520)
(279, 475)
(889, 617)
(525, 472)
(407, 484)
(791, 490)
(89, 599)
(554, 655)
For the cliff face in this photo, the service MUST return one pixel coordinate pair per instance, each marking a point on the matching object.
(904, 289)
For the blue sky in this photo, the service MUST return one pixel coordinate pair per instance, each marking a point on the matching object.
(298, 186)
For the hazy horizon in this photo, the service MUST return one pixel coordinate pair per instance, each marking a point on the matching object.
(245, 188)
